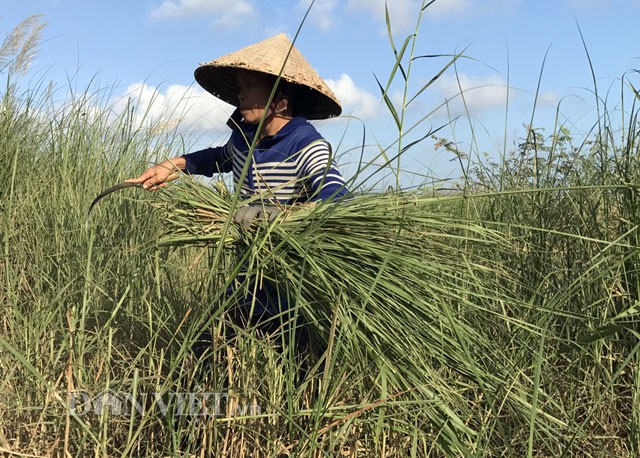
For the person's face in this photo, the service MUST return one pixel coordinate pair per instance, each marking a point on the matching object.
(255, 89)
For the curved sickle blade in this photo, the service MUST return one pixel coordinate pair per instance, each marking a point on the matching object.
(106, 192)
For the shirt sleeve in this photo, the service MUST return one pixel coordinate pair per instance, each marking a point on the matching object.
(209, 160)
(320, 172)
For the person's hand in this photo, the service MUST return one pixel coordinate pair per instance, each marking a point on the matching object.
(157, 176)
(249, 213)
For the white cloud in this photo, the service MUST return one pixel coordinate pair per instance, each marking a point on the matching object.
(476, 93)
(194, 111)
(321, 13)
(228, 13)
(355, 100)
(550, 97)
(191, 109)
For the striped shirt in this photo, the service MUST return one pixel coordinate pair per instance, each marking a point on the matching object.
(294, 165)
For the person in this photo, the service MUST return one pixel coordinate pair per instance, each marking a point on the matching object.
(276, 93)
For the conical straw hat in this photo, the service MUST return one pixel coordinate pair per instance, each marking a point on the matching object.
(219, 76)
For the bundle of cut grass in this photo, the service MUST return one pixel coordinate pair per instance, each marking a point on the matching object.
(392, 274)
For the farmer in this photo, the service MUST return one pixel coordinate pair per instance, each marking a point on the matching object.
(291, 162)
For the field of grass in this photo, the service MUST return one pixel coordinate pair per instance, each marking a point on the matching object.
(500, 320)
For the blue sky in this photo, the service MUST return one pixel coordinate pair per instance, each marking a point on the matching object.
(148, 50)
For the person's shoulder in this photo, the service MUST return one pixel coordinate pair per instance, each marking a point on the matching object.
(303, 132)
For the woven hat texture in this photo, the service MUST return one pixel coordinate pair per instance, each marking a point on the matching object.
(315, 99)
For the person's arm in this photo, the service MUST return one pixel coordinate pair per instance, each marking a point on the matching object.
(321, 173)
(204, 162)
(157, 176)
(208, 161)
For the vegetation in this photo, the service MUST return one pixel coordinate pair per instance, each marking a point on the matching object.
(500, 320)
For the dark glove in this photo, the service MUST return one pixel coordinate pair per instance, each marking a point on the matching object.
(249, 213)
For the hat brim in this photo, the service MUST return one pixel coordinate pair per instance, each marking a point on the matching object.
(220, 81)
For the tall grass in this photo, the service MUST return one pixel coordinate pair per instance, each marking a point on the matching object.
(500, 321)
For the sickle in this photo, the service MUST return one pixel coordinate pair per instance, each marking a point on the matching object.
(106, 192)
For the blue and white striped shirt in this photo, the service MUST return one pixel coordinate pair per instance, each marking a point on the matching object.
(294, 165)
